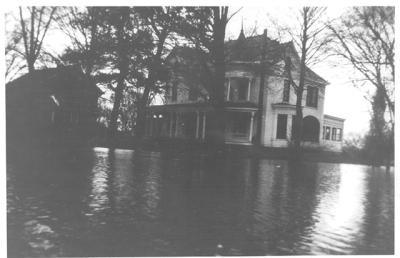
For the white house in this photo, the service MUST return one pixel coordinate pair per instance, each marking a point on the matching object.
(186, 109)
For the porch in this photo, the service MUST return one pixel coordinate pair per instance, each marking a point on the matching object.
(192, 122)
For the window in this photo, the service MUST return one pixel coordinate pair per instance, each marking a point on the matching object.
(281, 126)
(242, 91)
(327, 133)
(238, 89)
(334, 135)
(286, 91)
(312, 97)
(339, 134)
(240, 122)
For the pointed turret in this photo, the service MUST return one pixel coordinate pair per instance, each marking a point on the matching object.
(241, 37)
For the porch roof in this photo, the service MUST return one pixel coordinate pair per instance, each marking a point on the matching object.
(334, 118)
(203, 106)
(283, 105)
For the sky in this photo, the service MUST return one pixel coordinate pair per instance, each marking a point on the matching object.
(342, 99)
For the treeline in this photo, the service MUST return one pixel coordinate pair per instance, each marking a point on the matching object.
(365, 38)
(125, 49)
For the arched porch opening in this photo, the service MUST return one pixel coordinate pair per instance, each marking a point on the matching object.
(311, 128)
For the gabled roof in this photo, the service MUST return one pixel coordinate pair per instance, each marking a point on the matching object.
(250, 50)
(60, 79)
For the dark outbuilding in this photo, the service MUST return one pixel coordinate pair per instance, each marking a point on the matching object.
(53, 106)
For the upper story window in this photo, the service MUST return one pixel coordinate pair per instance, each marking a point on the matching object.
(238, 89)
(312, 97)
(174, 93)
(286, 91)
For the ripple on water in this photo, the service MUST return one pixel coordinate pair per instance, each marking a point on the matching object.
(142, 203)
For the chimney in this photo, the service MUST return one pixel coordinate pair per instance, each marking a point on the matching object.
(265, 32)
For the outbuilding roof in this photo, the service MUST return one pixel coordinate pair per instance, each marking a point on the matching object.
(53, 80)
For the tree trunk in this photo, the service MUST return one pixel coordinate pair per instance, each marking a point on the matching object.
(92, 12)
(141, 112)
(298, 132)
(149, 83)
(218, 54)
(31, 65)
(261, 91)
(123, 67)
(116, 107)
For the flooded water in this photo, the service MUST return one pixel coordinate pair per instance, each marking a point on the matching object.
(136, 203)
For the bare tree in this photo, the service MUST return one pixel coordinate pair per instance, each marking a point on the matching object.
(309, 37)
(14, 62)
(33, 30)
(81, 25)
(365, 38)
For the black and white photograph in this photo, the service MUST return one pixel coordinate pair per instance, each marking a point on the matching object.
(142, 130)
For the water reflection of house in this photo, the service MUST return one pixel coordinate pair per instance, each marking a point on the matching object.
(51, 105)
(187, 110)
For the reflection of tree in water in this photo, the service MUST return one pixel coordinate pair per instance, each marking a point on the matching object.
(151, 186)
(379, 210)
(203, 203)
(284, 203)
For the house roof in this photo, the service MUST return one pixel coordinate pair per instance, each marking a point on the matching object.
(334, 118)
(248, 51)
(53, 80)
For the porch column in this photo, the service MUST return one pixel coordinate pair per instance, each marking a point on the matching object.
(229, 89)
(170, 123)
(176, 124)
(203, 134)
(151, 124)
(197, 124)
(251, 126)
(248, 90)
